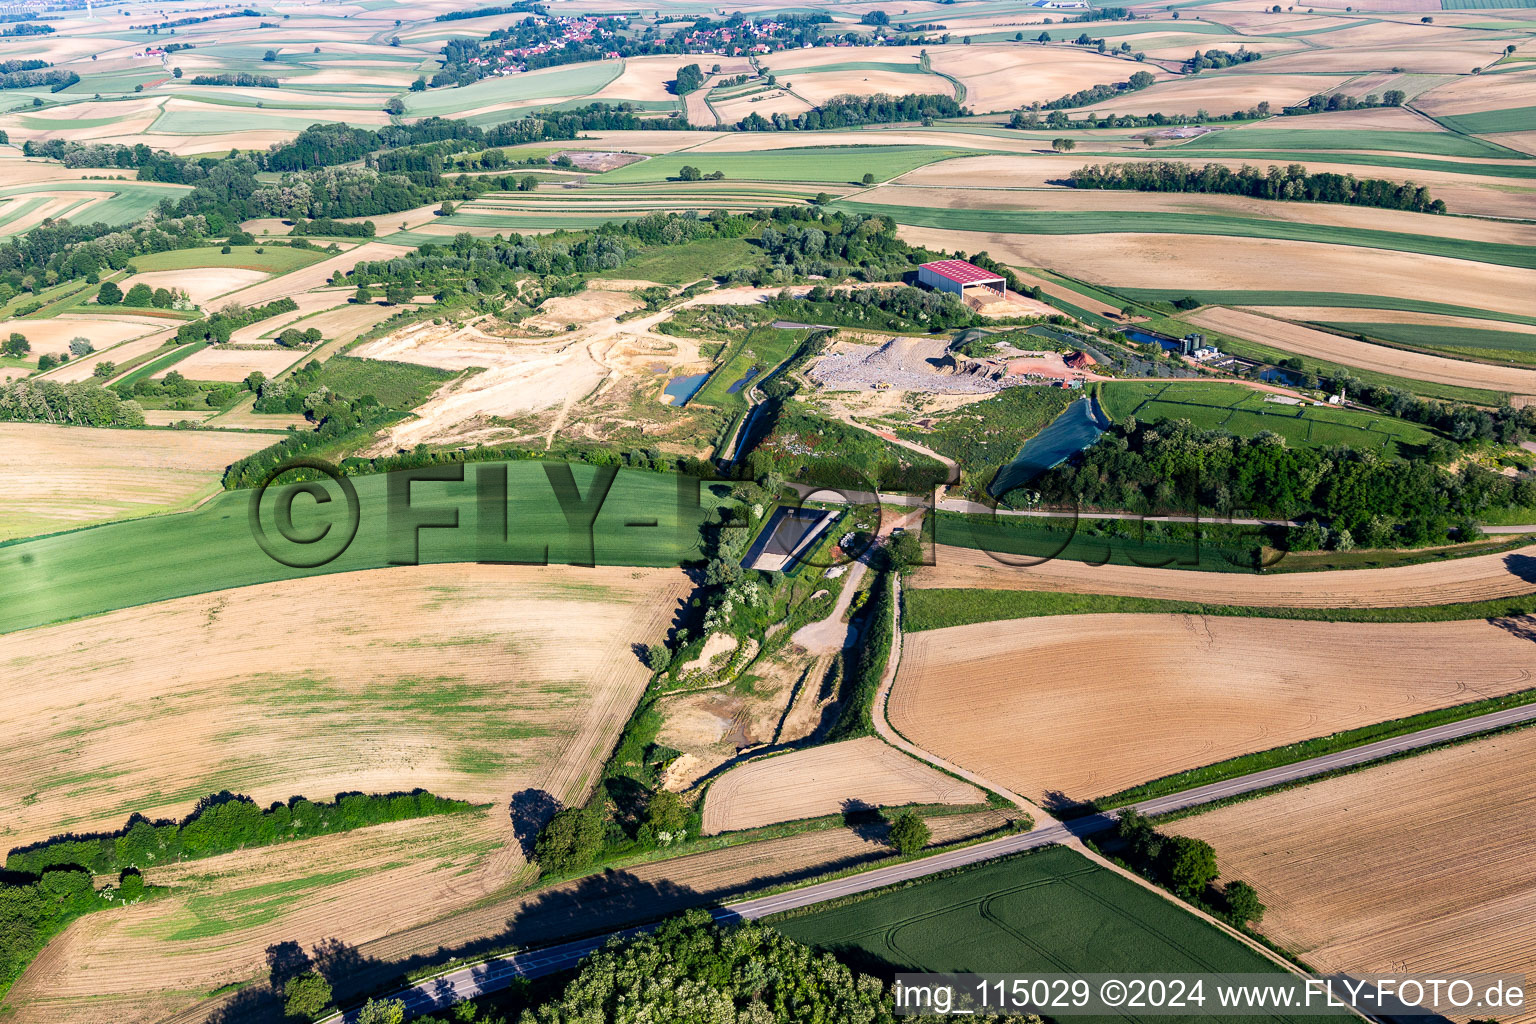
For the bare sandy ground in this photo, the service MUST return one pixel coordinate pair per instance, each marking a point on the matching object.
(1474, 578)
(1422, 865)
(1108, 701)
(1221, 263)
(827, 780)
(1322, 345)
(58, 478)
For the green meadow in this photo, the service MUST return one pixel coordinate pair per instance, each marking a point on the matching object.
(1245, 412)
(63, 576)
(818, 164)
(571, 80)
(1509, 346)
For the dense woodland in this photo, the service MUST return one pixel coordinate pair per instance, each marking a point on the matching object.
(1365, 499)
(1292, 183)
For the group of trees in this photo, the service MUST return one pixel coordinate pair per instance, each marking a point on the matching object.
(218, 327)
(1290, 183)
(141, 296)
(902, 308)
(1028, 119)
(221, 823)
(1187, 866)
(1318, 103)
(34, 908)
(1220, 59)
(689, 79)
(1169, 465)
(54, 79)
(78, 403)
(242, 79)
(845, 111)
(1099, 93)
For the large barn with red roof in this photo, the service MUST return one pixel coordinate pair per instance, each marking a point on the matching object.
(958, 275)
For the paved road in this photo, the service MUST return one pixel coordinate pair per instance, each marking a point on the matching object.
(501, 972)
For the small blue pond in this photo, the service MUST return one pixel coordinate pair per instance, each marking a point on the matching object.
(683, 388)
(1079, 425)
(745, 380)
(1147, 338)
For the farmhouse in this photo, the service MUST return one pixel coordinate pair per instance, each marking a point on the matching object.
(958, 275)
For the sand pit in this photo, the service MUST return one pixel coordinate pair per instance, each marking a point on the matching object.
(1108, 701)
(1473, 578)
(827, 780)
(1307, 341)
(59, 478)
(223, 363)
(1222, 262)
(1422, 865)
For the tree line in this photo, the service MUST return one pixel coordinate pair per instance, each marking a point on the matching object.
(1292, 183)
(77, 403)
(242, 79)
(221, 823)
(846, 111)
(1099, 93)
(1367, 499)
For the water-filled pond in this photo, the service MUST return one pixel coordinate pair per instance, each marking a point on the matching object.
(1078, 426)
(683, 388)
(1139, 336)
(744, 381)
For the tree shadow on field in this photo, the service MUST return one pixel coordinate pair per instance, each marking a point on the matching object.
(286, 960)
(530, 810)
(1060, 805)
(1521, 566)
(606, 901)
(865, 820)
(1522, 626)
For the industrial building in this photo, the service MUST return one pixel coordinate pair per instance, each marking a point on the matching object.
(958, 275)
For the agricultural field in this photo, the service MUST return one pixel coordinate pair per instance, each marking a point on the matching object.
(1244, 412)
(829, 779)
(481, 698)
(546, 263)
(1053, 910)
(1439, 839)
(63, 478)
(1224, 687)
(1464, 580)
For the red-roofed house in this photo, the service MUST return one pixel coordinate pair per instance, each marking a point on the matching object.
(958, 275)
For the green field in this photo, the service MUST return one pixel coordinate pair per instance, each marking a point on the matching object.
(682, 264)
(132, 200)
(1484, 5)
(825, 164)
(85, 572)
(1051, 910)
(570, 80)
(395, 385)
(1244, 412)
(274, 259)
(230, 119)
(1395, 160)
(763, 348)
(1511, 346)
(1517, 119)
(1311, 140)
(1058, 222)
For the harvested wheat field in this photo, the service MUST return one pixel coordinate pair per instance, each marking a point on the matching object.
(1132, 260)
(827, 780)
(459, 678)
(1307, 341)
(54, 335)
(59, 478)
(1087, 705)
(1421, 865)
(226, 364)
(1218, 93)
(202, 284)
(1474, 578)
